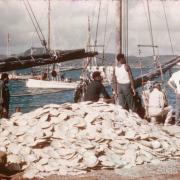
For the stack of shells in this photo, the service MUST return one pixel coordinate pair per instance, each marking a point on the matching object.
(71, 139)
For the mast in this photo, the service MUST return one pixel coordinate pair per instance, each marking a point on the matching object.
(8, 42)
(49, 24)
(119, 27)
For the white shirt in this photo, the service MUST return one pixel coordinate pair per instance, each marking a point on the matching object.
(176, 78)
(156, 102)
(122, 75)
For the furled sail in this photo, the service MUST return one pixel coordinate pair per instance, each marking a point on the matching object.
(21, 62)
(157, 72)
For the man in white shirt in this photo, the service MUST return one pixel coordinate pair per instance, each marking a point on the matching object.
(157, 105)
(124, 84)
(174, 83)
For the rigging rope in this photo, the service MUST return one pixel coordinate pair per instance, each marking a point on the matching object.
(126, 30)
(44, 41)
(148, 17)
(35, 23)
(150, 25)
(105, 31)
(97, 25)
(164, 10)
(32, 20)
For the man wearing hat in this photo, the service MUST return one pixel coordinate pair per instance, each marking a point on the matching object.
(157, 106)
(4, 96)
(96, 88)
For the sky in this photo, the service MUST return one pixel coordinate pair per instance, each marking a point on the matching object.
(69, 25)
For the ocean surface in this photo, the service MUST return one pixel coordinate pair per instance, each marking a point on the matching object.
(29, 99)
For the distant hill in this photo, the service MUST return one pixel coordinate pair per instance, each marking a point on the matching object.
(133, 61)
(2, 56)
(34, 50)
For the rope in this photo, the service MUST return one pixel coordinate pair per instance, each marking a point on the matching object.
(97, 25)
(32, 20)
(164, 10)
(160, 68)
(126, 9)
(93, 15)
(140, 63)
(35, 23)
(150, 25)
(105, 31)
(148, 17)
(44, 41)
(144, 94)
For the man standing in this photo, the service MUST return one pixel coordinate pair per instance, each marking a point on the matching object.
(96, 88)
(4, 96)
(174, 83)
(157, 106)
(124, 83)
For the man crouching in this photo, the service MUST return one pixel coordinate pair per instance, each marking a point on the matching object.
(158, 108)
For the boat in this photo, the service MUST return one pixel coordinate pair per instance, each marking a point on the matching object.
(20, 62)
(156, 71)
(52, 81)
(36, 83)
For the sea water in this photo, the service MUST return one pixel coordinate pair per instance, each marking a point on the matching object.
(30, 98)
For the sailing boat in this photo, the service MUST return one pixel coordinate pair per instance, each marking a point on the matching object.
(54, 81)
(143, 78)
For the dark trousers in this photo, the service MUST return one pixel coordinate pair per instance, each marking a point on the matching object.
(125, 96)
(178, 109)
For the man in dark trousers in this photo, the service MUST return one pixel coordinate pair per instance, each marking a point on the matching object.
(4, 96)
(96, 88)
(124, 83)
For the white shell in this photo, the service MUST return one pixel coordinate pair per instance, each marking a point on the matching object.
(12, 158)
(70, 139)
(90, 159)
(155, 144)
(30, 173)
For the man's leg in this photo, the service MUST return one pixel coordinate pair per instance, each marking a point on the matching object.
(177, 110)
(168, 111)
(121, 96)
(122, 100)
(153, 120)
(130, 102)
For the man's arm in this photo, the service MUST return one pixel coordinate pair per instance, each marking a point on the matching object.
(104, 92)
(162, 100)
(171, 83)
(128, 69)
(114, 80)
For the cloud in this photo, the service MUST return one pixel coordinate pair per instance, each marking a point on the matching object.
(70, 24)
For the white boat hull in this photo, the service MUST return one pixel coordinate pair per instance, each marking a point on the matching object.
(35, 83)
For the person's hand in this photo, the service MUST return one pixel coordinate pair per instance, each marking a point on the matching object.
(175, 90)
(134, 92)
(115, 95)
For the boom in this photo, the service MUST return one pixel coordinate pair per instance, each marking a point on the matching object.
(21, 62)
